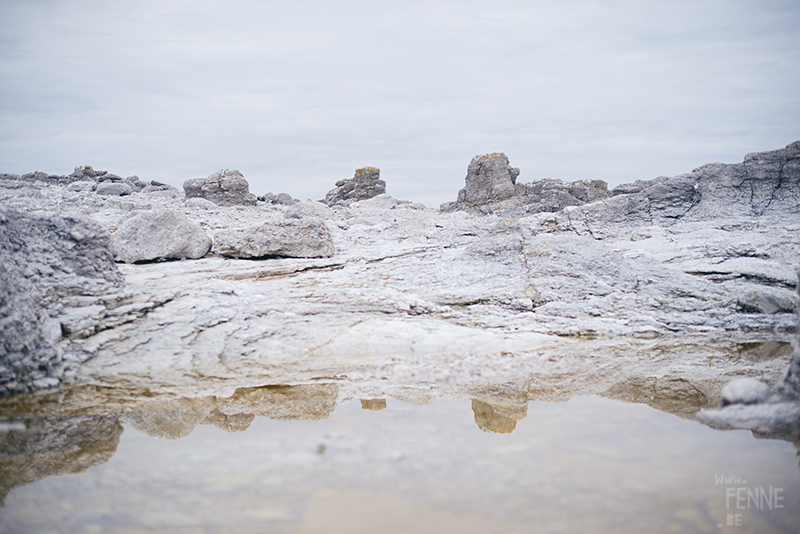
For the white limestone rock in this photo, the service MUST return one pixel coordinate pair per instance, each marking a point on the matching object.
(294, 239)
(160, 234)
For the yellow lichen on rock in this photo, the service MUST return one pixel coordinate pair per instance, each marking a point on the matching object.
(363, 171)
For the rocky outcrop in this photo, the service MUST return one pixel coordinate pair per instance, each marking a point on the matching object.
(160, 235)
(85, 179)
(366, 183)
(291, 239)
(489, 178)
(225, 188)
(709, 256)
(749, 403)
(44, 260)
(491, 186)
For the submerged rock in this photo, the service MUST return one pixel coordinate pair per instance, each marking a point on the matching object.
(225, 188)
(160, 235)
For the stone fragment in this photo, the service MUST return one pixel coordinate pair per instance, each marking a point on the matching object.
(225, 188)
(159, 235)
(113, 189)
(281, 198)
(83, 186)
(366, 183)
(294, 239)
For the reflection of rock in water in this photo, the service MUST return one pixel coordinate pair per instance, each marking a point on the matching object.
(769, 350)
(500, 419)
(176, 418)
(373, 404)
(171, 419)
(229, 423)
(314, 401)
(672, 395)
(33, 449)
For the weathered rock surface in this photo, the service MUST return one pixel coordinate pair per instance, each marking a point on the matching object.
(225, 188)
(289, 239)
(366, 183)
(654, 296)
(491, 186)
(489, 178)
(43, 261)
(160, 235)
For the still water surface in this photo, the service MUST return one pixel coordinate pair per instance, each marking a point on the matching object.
(586, 465)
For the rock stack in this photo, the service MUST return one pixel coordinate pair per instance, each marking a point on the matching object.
(365, 184)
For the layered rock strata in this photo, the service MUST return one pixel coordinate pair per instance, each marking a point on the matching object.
(44, 263)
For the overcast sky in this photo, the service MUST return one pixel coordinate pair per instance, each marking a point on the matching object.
(298, 94)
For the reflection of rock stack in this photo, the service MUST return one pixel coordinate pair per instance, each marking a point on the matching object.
(373, 405)
(176, 418)
(37, 448)
(496, 418)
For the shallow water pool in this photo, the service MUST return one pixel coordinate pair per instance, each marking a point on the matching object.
(586, 465)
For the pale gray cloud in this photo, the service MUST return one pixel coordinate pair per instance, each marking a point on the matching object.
(298, 94)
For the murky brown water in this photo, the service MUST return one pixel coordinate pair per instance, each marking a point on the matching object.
(586, 465)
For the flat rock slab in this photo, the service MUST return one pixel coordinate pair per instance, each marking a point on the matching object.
(290, 238)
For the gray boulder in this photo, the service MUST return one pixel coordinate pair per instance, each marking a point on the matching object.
(489, 178)
(281, 198)
(225, 188)
(295, 239)
(309, 209)
(113, 189)
(160, 235)
(366, 183)
(42, 261)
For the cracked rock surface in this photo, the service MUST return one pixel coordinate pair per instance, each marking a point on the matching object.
(648, 296)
